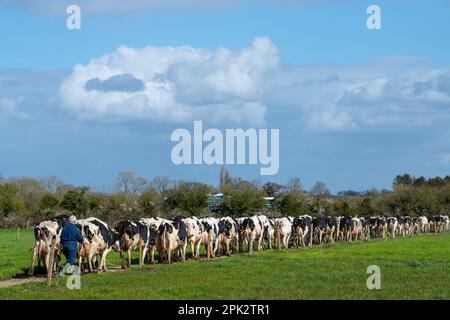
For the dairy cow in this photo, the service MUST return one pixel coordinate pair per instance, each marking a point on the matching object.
(229, 231)
(283, 231)
(43, 234)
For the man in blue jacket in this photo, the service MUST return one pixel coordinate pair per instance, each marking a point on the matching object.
(70, 236)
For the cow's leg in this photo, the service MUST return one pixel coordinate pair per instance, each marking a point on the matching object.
(169, 256)
(260, 243)
(33, 258)
(129, 257)
(227, 247)
(121, 259)
(183, 252)
(103, 261)
(144, 252)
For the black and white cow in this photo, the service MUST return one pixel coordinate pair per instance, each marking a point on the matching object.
(345, 228)
(302, 228)
(392, 224)
(319, 228)
(229, 231)
(102, 239)
(269, 233)
(132, 233)
(195, 232)
(253, 228)
(43, 234)
(173, 237)
(331, 229)
(153, 227)
(210, 235)
(356, 227)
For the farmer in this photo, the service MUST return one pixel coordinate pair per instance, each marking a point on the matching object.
(70, 235)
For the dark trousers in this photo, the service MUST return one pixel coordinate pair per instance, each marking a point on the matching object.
(70, 253)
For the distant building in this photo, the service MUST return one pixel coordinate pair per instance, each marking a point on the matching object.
(216, 200)
(269, 202)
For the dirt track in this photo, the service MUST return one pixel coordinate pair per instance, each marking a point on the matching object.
(13, 282)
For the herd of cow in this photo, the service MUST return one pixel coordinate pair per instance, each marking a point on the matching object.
(218, 235)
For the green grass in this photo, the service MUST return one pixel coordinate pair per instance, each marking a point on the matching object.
(411, 268)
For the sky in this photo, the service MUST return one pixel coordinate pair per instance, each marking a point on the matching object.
(354, 106)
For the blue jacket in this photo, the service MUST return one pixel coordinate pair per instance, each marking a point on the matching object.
(70, 234)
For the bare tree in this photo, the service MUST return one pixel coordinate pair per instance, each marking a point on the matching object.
(294, 184)
(225, 179)
(320, 189)
(161, 184)
(129, 182)
(51, 184)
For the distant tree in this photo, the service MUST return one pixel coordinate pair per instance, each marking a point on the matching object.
(342, 208)
(294, 184)
(10, 200)
(273, 189)
(403, 180)
(129, 182)
(51, 184)
(257, 183)
(188, 197)
(30, 190)
(48, 202)
(420, 182)
(76, 201)
(243, 202)
(161, 184)
(225, 180)
(320, 189)
(148, 202)
(365, 208)
(291, 204)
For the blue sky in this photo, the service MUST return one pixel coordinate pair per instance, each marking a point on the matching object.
(354, 107)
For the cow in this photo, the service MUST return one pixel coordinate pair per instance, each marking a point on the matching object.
(446, 223)
(422, 225)
(392, 224)
(302, 227)
(269, 232)
(173, 237)
(344, 233)
(195, 231)
(380, 228)
(43, 234)
(229, 231)
(132, 235)
(102, 239)
(253, 228)
(210, 235)
(356, 228)
(331, 229)
(153, 241)
(407, 225)
(283, 231)
(319, 228)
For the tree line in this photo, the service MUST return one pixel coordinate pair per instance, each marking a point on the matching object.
(25, 201)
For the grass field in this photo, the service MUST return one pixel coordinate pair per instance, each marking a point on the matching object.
(411, 268)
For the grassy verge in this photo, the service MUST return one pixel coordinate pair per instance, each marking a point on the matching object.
(411, 268)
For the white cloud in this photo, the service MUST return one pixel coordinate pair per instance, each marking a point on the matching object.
(8, 108)
(180, 84)
(184, 83)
